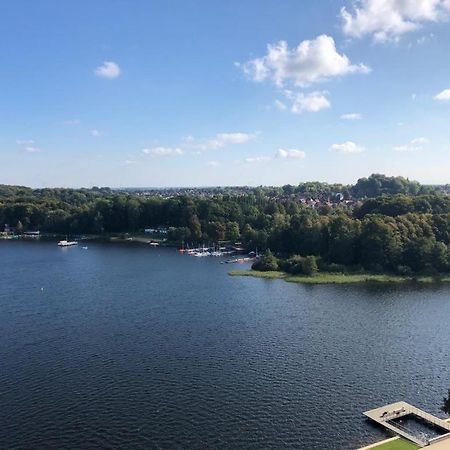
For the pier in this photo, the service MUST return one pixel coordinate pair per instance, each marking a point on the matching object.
(385, 415)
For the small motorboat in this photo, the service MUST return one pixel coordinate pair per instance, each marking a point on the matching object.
(66, 243)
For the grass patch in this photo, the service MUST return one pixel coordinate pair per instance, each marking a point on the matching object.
(253, 273)
(338, 278)
(398, 444)
(341, 278)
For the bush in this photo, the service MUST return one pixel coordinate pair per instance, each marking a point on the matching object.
(377, 268)
(266, 263)
(331, 267)
(293, 265)
(310, 265)
(305, 265)
(405, 271)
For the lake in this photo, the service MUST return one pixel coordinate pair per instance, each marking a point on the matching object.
(123, 346)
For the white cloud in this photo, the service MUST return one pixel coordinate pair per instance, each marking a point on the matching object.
(221, 140)
(257, 159)
(310, 62)
(443, 96)
(290, 153)
(351, 116)
(234, 138)
(212, 164)
(32, 149)
(419, 141)
(28, 145)
(412, 146)
(128, 162)
(156, 152)
(388, 20)
(311, 102)
(347, 148)
(72, 122)
(96, 133)
(280, 105)
(424, 39)
(108, 69)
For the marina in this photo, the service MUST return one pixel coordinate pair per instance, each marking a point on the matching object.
(221, 251)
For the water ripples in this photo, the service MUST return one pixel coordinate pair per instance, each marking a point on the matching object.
(142, 348)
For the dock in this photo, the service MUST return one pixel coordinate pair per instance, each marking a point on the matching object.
(385, 415)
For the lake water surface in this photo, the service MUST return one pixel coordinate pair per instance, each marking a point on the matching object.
(133, 347)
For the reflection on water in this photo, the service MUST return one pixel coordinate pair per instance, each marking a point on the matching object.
(134, 347)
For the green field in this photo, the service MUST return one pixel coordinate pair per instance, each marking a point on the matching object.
(254, 273)
(336, 278)
(398, 444)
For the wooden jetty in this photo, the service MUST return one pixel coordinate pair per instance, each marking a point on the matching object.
(386, 414)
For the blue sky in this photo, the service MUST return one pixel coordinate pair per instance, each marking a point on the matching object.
(198, 93)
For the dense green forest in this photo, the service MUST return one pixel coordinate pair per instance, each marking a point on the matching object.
(380, 224)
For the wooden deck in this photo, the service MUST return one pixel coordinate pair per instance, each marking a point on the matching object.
(385, 414)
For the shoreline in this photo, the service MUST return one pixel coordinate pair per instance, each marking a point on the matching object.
(340, 278)
(380, 443)
(118, 238)
(317, 279)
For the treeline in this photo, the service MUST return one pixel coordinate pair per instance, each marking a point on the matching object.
(406, 244)
(404, 233)
(397, 205)
(375, 185)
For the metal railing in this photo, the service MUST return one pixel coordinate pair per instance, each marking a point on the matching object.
(428, 417)
(423, 440)
(440, 438)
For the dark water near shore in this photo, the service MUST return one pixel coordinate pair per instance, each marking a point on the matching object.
(133, 347)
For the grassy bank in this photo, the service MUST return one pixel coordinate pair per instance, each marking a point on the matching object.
(337, 278)
(256, 274)
(398, 444)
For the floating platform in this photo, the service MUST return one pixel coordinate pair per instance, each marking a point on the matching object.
(386, 414)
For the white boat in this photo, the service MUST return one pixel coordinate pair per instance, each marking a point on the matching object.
(239, 260)
(66, 243)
